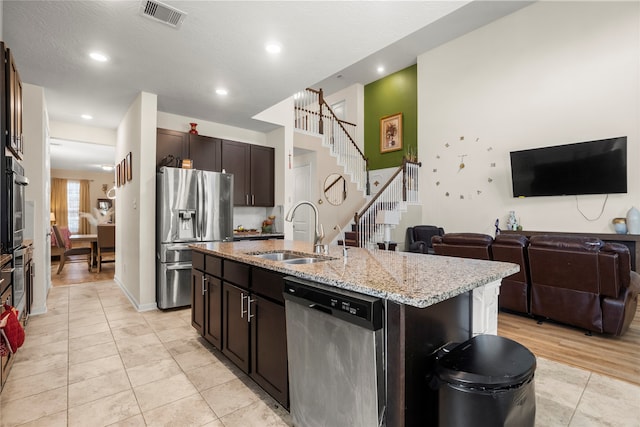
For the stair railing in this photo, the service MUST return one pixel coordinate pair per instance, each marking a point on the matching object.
(314, 115)
(400, 190)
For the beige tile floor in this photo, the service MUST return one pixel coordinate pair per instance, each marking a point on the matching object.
(92, 360)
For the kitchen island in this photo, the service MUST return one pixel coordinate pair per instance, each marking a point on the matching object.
(429, 301)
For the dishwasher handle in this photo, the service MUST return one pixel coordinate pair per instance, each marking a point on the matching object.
(320, 308)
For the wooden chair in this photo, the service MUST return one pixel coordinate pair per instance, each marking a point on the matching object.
(65, 252)
(106, 243)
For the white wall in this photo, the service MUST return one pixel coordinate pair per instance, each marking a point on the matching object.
(353, 97)
(76, 132)
(552, 73)
(135, 207)
(217, 130)
(36, 165)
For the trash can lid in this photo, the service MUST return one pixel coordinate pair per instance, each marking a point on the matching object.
(487, 361)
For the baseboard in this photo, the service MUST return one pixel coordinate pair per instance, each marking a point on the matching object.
(133, 301)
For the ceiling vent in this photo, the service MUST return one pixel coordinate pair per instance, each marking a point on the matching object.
(163, 13)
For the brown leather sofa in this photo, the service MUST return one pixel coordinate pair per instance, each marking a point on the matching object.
(514, 291)
(463, 245)
(579, 281)
(583, 282)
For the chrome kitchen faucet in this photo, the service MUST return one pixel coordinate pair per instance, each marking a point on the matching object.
(318, 247)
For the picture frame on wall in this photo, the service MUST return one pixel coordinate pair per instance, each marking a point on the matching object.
(391, 133)
(129, 167)
(123, 172)
(117, 175)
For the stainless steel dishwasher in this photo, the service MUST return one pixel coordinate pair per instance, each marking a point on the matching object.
(335, 345)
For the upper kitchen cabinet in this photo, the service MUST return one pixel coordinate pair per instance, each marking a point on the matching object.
(171, 143)
(12, 105)
(253, 169)
(204, 152)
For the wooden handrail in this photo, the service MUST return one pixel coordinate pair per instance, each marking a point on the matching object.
(316, 113)
(374, 199)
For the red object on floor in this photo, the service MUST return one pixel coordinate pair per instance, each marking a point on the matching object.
(12, 329)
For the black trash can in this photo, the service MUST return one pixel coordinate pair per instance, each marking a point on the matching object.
(486, 381)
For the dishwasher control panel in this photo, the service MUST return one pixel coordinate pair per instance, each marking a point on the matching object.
(360, 309)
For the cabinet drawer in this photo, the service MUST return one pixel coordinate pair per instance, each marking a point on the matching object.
(197, 260)
(213, 265)
(236, 273)
(268, 284)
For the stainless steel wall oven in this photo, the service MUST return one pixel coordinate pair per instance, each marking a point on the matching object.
(13, 205)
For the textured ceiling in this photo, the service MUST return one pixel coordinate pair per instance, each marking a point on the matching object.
(221, 43)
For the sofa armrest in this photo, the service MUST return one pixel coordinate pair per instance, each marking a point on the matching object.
(418, 247)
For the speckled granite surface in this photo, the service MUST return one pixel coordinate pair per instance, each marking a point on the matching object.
(407, 278)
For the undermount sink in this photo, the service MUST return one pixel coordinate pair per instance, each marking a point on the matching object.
(288, 257)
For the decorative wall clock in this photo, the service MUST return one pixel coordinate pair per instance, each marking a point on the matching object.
(464, 168)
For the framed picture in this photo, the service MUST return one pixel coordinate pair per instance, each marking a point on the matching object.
(123, 172)
(118, 175)
(391, 133)
(129, 167)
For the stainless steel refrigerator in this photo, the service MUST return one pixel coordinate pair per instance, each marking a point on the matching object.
(193, 206)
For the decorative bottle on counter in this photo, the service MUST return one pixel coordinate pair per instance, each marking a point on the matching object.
(633, 221)
(193, 130)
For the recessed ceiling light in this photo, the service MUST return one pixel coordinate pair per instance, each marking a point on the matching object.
(100, 57)
(87, 116)
(273, 48)
(380, 69)
(107, 168)
(221, 91)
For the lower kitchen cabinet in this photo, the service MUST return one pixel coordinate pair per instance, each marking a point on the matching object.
(235, 325)
(206, 307)
(269, 349)
(240, 310)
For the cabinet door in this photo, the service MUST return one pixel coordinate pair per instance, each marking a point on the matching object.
(171, 142)
(235, 328)
(14, 120)
(269, 348)
(213, 312)
(262, 176)
(198, 288)
(236, 160)
(204, 152)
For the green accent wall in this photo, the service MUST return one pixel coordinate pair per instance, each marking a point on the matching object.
(396, 93)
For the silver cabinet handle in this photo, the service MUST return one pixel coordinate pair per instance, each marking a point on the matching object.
(253, 199)
(249, 301)
(242, 310)
(204, 279)
(246, 198)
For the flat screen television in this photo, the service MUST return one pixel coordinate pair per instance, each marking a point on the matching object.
(594, 167)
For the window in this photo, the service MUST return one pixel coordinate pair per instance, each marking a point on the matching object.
(73, 205)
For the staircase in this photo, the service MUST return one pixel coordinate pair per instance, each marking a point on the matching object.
(314, 116)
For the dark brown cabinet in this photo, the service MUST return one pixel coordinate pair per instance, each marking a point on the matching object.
(253, 169)
(11, 104)
(236, 160)
(235, 325)
(171, 143)
(206, 298)
(241, 308)
(204, 153)
(6, 274)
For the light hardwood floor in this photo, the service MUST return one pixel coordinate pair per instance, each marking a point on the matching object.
(617, 357)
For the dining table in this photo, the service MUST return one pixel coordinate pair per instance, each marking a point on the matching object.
(92, 239)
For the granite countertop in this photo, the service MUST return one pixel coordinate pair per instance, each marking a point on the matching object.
(417, 280)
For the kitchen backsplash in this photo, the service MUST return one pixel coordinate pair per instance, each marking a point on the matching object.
(252, 217)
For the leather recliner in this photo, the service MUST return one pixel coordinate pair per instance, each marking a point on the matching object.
(514, 290)
(583, 282)
(418, 238)
(463, 245)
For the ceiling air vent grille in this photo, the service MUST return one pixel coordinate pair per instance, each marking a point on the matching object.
(162, 12)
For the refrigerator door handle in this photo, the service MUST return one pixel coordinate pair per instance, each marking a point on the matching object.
(201, 214)
(179, 267)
